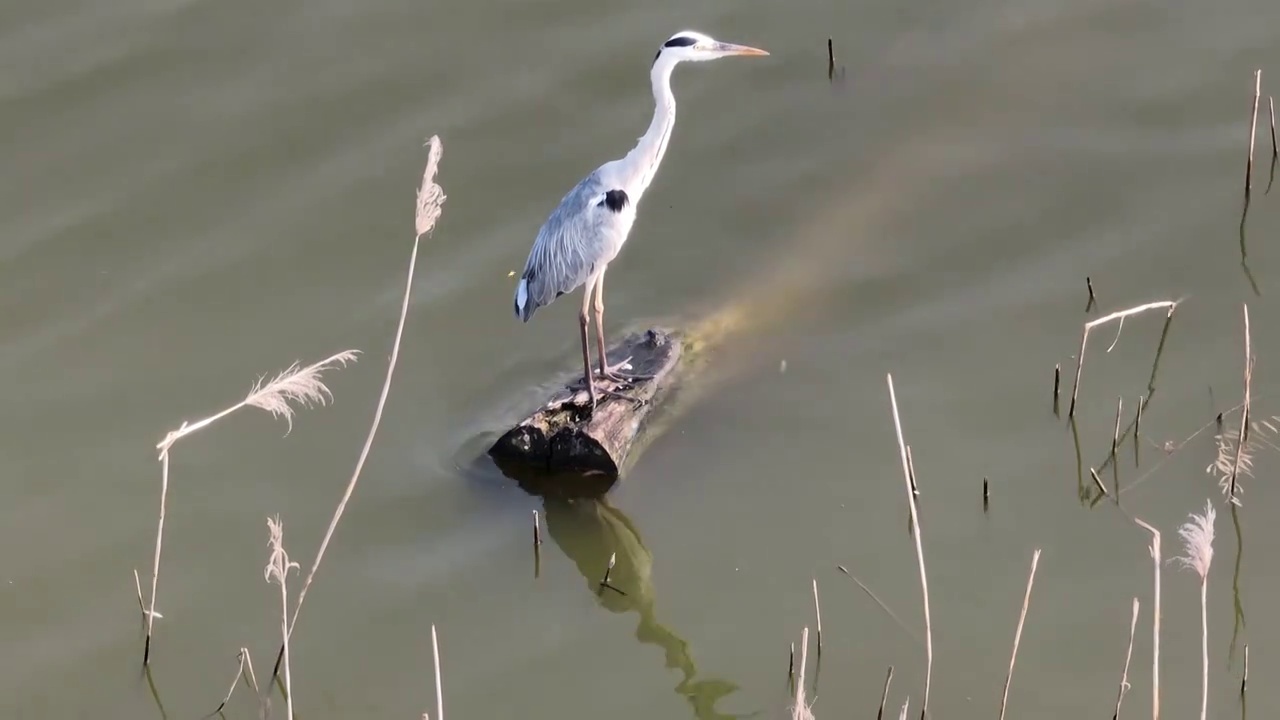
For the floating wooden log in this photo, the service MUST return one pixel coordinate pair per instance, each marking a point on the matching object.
(565, 448)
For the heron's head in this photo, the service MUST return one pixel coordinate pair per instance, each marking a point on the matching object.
(695, 46)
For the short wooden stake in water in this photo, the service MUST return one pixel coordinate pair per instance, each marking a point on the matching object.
(831, 61)
(986, 495)
(1093, 299)
(1244, 681)
(1057, 388)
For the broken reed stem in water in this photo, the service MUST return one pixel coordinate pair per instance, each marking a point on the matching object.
(1120, 315)
(246, 663)
(537, 530)
(915, 521)
(1155, 620)
(1242, 438)
(303, 386)
(1098, 481)
(1017, 636)
(1244, 680)
(1253, 131)
(430, 203)
(884, 694)
(1093, 299)
(817, 609)
(1137, 431)
(1115, 434)
(435, 654)
(1271, 103)
(800, 710)
(1124, 676)
(986, 495)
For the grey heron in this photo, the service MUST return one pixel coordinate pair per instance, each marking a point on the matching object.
(587, 230)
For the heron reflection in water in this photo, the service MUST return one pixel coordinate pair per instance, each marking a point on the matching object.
(588, 531)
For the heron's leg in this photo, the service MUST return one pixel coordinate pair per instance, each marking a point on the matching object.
(606, 370)
(586, 353)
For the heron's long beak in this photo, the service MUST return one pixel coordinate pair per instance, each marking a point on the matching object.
(731, 49)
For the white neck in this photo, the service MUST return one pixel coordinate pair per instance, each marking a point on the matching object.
(641, 164)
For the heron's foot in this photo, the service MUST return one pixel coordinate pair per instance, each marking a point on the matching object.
(611, 372)
(595, 391)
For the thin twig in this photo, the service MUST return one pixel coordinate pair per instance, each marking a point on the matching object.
(430, 201)
(915, 520)
(906, 628)
(1124, 677)
(1171, 305)
(1017, 637)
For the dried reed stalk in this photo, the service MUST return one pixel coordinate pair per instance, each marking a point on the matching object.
(884, 694)
(1197, 543)
(1124, 677)
(1271, 104)
(1017, 636)
(1120, 315)
(915, 521)
(304, 386)
(1244, 414)
(1253, 131)
(1155, 620)
(430, 203)
(243, 673)
(817, 609)
(435, 654)
(277, 570)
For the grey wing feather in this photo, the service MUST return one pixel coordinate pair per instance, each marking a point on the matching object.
(579, 235)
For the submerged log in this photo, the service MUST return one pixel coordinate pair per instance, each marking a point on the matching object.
(564, 442)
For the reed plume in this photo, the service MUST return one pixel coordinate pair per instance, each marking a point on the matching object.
(277, 570)
(1197, 543)
(429, 205)
(302, 385)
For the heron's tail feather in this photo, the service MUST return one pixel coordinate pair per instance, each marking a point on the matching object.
(525, 305)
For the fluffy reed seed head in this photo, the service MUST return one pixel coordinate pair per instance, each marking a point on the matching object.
(304, 386)
(430, 195)
(1197, 541)
(278, 564)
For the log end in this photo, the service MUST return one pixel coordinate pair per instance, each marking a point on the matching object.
(565, 448)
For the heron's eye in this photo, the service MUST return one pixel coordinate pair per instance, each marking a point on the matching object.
(680, 41)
